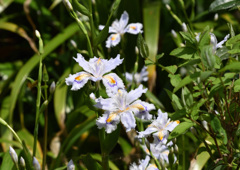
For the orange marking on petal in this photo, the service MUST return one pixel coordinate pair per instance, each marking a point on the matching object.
(133, 27)
(110, 79)
(80, 77)
(177, 121)
(160, 135)
(114, 37)
(138, 106)
(99, 60)
(111, 116)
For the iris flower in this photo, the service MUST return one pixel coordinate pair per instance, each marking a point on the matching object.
(96, 70)
(137, 77)
(120, 107)
(119, 28)
(143, 165)
(159, 128)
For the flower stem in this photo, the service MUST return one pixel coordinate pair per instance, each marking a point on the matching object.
(37, 106)
(105, 155)
(45, 131)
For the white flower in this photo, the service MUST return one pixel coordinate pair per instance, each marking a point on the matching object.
(120, 27)
(120, 107)
(70, 165)
(159, 128)
(13, 155)
(96, 70)
(143, 165)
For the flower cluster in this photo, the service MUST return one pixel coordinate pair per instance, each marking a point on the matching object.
(122, 106)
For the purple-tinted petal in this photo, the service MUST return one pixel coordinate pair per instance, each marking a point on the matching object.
(109, 125)
(110, 29)
(112, 83)
(78, 80)
(128, 121)
(83, 63)
(147, 132)
(105, 104)
(219, 45)
(123, 20)
(113, 40)
(141, 109)
(134, 28)
(111, 64)
(135, 94)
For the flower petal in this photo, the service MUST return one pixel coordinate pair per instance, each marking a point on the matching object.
(112, 83)
(113, 40)
(172, 125)
(128, 120)
(111, 64)
(123, 20)
(134, 28)
(78, 80)
(141, 109)
(83, 63)
(219, 45)
(109, 126)
(135, 94)
(147, 132)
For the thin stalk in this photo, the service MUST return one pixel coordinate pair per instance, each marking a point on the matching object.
(45, 131)
(37, 106)
(3, 122)
(105, 155)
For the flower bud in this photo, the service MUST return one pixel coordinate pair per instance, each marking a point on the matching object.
(70, 165)
(52, 87)
(36, 164)
(68, 5)
(176, 149)
(13, 155)
(216, 17)
(73, 43)
(168, 7)
(184, 27)
(92, 96)
(174, 34)
(136, 50)
(37, 33)
(22, 162)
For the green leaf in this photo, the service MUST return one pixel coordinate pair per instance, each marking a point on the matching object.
(190, 39)
(204, 38)
(177, 105)
(149, 62)
(111, 140)
(27, 137)
(223, 5)
(233, 40)
(195, 108)
(208, 57)
(90, 163)
(187, 80)
(98, 157)
(142, 46)
(159, 56)
(126, 147)
(178, 114)
(233, 66)
(180, 129)
(183, 52)
(151, 25)
(79, 7)
(175, 79)
(237, 86)
(172, 68)
(204, 75)
(187, 97)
